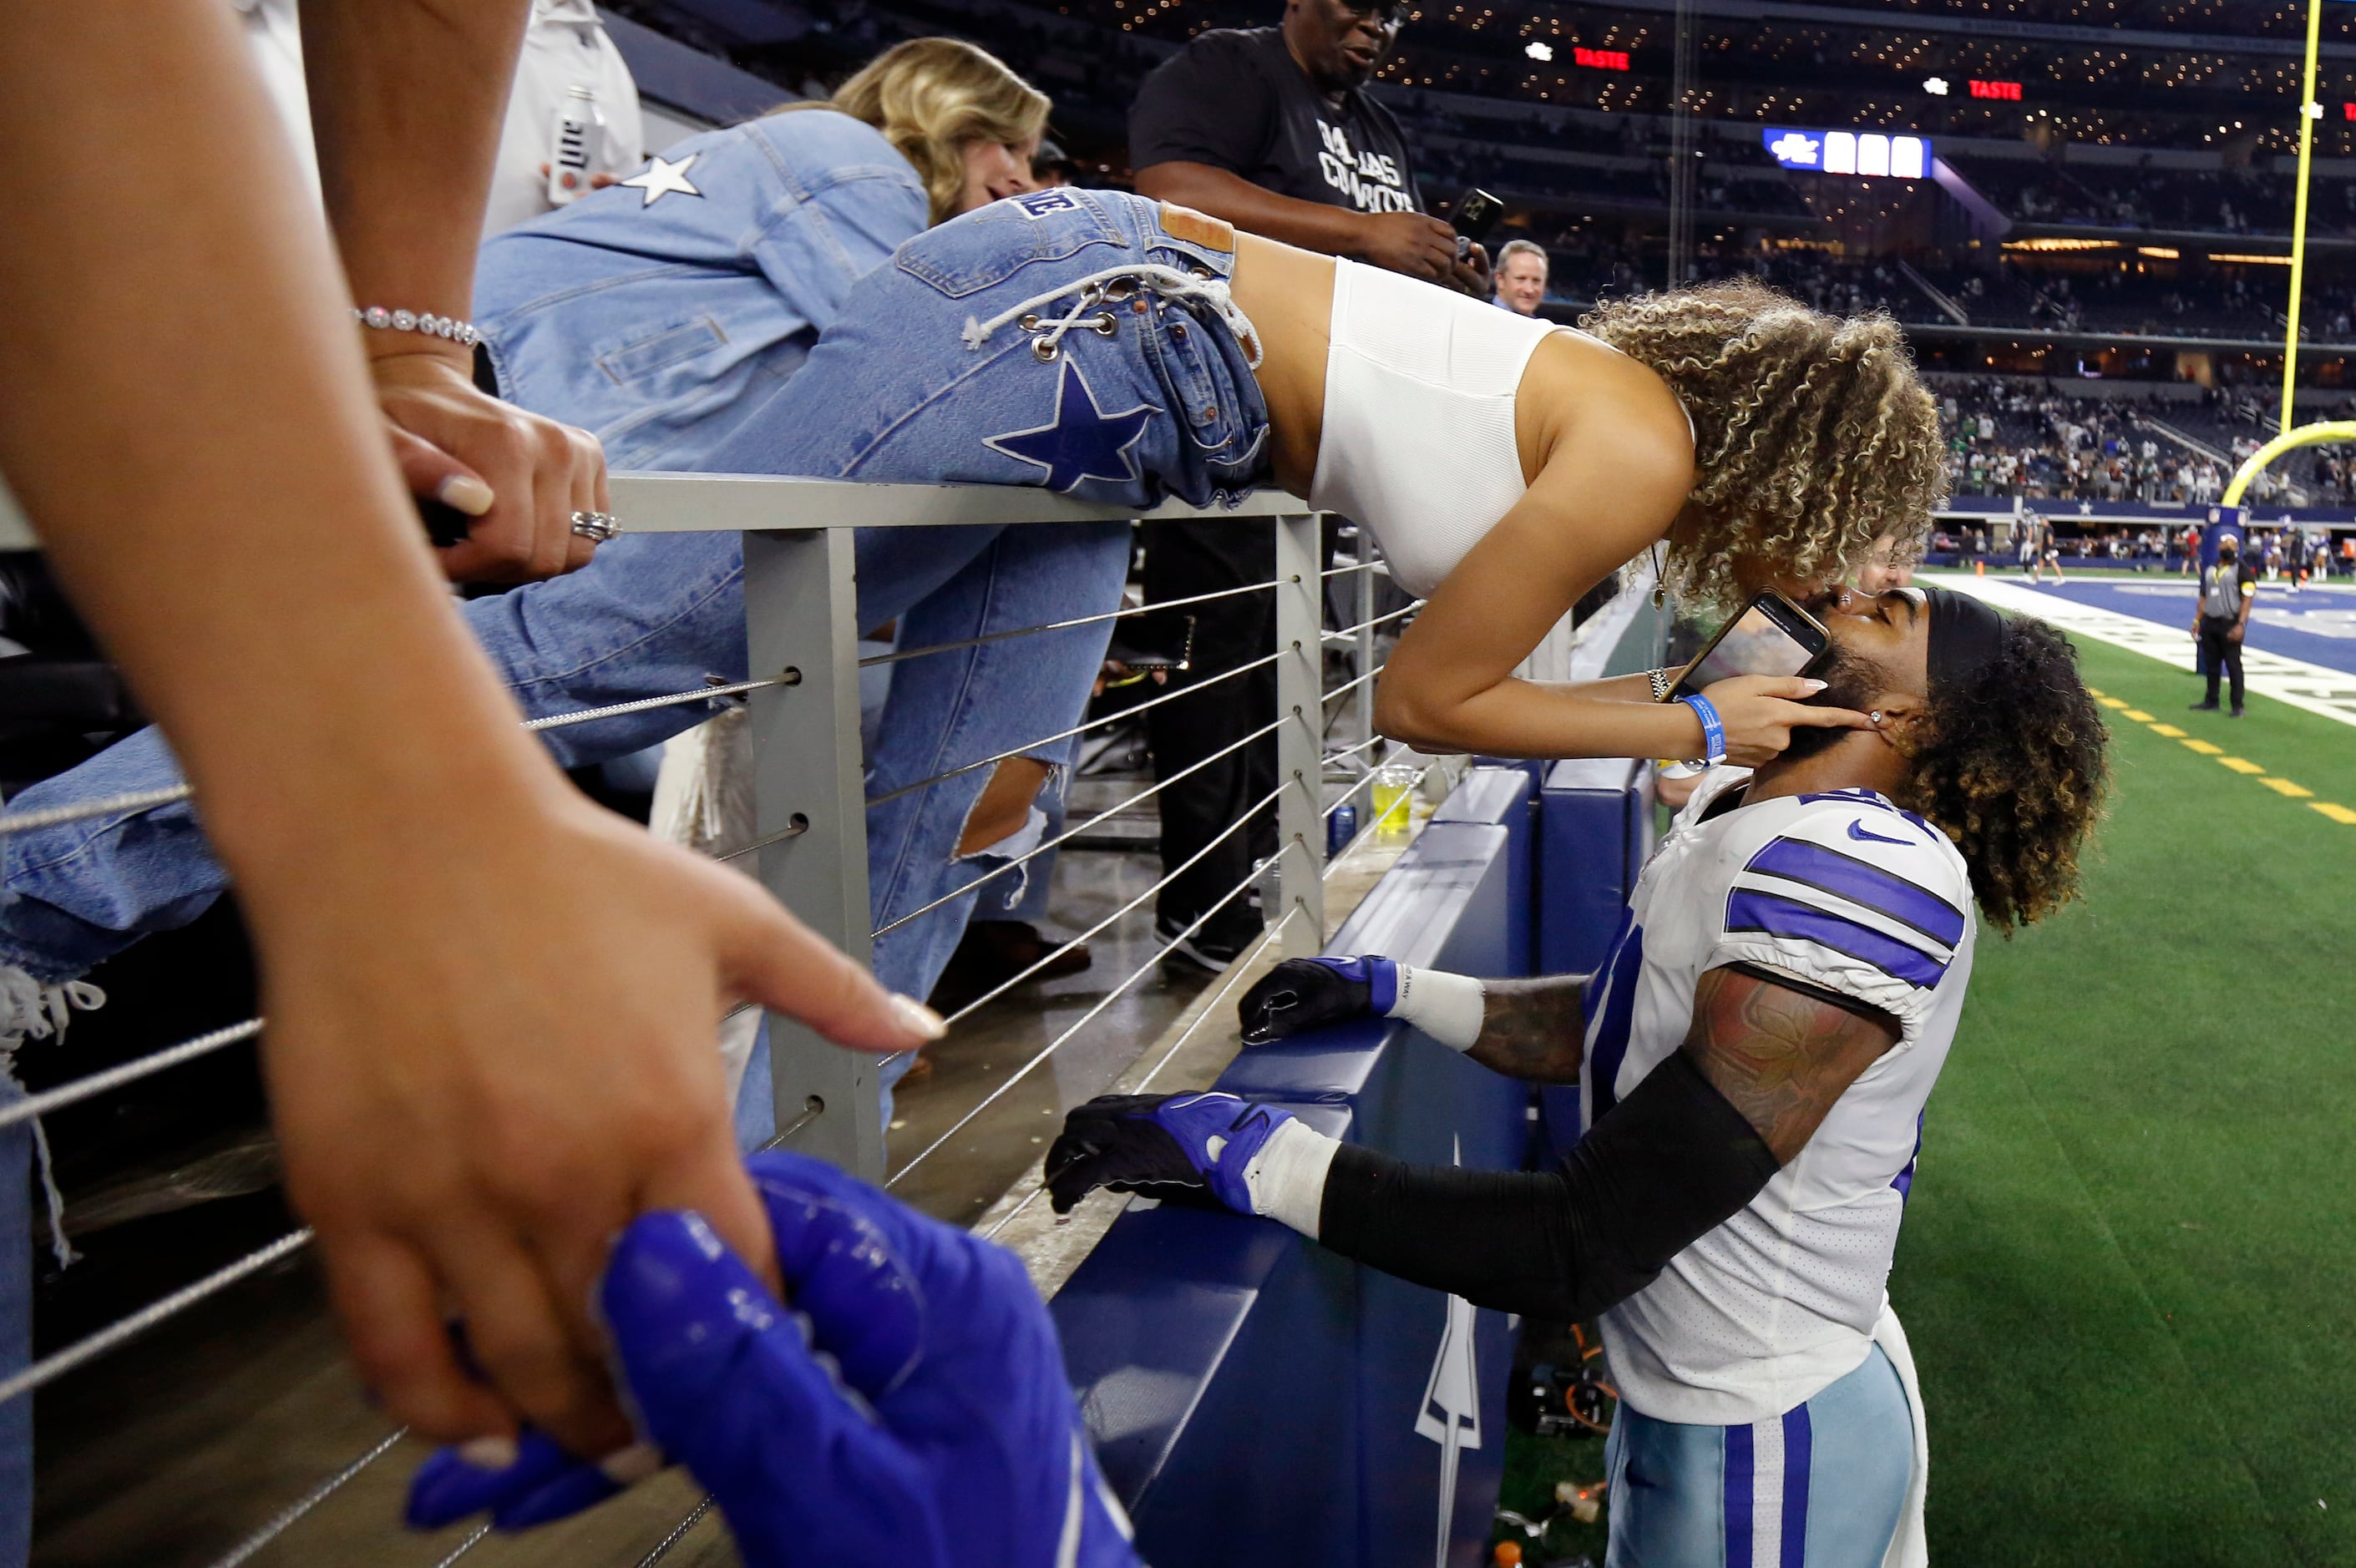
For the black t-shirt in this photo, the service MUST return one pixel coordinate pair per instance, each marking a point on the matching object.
(1238, 100)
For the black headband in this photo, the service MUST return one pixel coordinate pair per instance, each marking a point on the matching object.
(1965, 636)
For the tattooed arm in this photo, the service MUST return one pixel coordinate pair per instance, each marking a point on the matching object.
(1782, 1051)
(1534, 1029)
(1766, 1058)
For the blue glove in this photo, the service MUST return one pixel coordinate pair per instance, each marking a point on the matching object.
(1181, 1147)
(913, 1410)
(1302, 994)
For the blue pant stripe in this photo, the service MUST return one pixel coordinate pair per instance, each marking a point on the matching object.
(1797, 1437)
(1738, 1496)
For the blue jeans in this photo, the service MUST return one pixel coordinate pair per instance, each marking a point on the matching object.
(1821, 1486)
(1149, 395)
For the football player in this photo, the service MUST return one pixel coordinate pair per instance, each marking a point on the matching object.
(1753, 1059)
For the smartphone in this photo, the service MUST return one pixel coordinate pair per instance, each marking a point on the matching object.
(1771, 636)
(1476, 218)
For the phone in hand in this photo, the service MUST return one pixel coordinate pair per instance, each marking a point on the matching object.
(1770, 636)
(1477, 213)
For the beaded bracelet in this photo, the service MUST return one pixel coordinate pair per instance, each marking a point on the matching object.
(450, 327)
(1713, 734)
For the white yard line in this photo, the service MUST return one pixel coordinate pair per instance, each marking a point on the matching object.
(2312, 686)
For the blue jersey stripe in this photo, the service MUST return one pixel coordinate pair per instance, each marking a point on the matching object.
(1748, 910)
(1618, 1014)
(1799, 1437)
(1904, 1179)
(1845, 876)
(1738, 1496)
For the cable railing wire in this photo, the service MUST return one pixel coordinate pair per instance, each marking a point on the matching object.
(75, 810)
(1109, 996)
(149, 799)
(49, 1367)
(1189, 690)
(1370, 626)
(475, 1538)
(1353, 684)
(284, 1518)
(678, 1533)
(899, 654)
(646, 704)
(1131, 803)
(64, 1094)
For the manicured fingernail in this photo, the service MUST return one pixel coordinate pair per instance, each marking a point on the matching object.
(489, 1452)
(918, 1018)
(466, 492)
(1816, 686)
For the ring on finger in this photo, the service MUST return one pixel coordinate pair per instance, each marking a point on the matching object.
(598, 526)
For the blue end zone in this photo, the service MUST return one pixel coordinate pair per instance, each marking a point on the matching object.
(1254, 1397)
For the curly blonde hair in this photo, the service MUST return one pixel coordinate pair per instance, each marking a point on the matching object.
(1812, 437)
(933, 98)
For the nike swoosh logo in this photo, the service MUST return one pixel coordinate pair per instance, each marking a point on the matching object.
(1857, 831)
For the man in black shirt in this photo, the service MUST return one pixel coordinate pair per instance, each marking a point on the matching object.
(1270, 129)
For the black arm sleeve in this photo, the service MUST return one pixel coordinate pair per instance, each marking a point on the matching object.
(1206, 105)
(1669, 1164)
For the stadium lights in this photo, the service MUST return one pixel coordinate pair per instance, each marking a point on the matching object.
(1936, 87)
(1538, 51)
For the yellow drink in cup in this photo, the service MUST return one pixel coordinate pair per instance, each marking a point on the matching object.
(1394, 791)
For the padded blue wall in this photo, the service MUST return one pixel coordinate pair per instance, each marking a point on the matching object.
(1255, 1398)
(1595, 832)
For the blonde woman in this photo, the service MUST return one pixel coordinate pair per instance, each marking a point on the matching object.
(667, 313)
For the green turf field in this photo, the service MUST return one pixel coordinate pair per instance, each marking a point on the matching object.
(2130, 1267)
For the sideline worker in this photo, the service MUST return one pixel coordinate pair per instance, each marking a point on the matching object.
(2227, 590)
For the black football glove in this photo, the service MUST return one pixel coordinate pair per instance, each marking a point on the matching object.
(1310, 992)
(1186, 1148)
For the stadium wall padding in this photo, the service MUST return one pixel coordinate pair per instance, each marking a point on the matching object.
(1255, 1398)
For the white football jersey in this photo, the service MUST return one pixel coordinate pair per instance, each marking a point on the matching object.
(1845, 892)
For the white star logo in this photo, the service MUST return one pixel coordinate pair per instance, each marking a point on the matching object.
(661, 177)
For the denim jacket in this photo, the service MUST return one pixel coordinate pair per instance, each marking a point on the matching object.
(661, 316)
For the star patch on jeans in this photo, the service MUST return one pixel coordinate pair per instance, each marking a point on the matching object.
(1081, 440)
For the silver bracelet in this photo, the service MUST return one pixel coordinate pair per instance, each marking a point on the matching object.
(1663, 684)
(383, 320)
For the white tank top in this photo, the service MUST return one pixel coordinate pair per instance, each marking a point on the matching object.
(1419, 437)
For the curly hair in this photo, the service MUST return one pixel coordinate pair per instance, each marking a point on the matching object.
(1813, 437)
(2014, 771)
(932, 98)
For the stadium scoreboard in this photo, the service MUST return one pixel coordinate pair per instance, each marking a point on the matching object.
(1867, 153)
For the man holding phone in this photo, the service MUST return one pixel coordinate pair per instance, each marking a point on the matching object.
(1270, 129)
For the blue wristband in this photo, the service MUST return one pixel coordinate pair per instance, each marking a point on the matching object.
(1713, 734)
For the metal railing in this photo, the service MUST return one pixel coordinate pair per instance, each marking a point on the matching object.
(802, 702)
